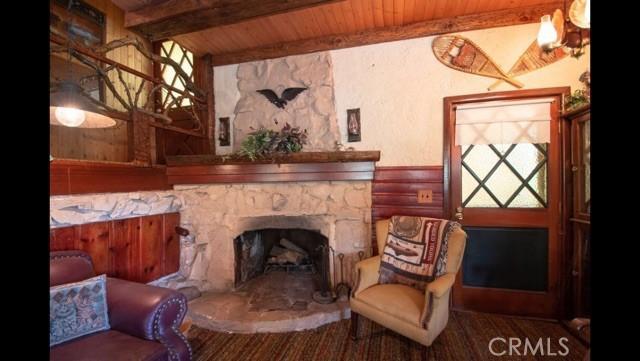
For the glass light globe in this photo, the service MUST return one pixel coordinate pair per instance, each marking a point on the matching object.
(547, 35)
(587, 11)
(70, 117)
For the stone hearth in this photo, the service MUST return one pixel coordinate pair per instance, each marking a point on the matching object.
(274, 302)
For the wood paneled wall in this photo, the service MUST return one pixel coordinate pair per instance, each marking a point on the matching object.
(104, 144)
(395, 192)
(81, 177)
(139, 249)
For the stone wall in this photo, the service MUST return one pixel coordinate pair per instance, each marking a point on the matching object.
(89, 208)
(313, 109)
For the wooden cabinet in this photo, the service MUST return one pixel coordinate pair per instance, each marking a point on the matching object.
(578, 148)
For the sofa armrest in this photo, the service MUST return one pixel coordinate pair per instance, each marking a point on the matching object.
(367, 274)
(149, 312)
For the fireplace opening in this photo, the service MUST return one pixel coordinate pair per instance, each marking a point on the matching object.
(291, 257)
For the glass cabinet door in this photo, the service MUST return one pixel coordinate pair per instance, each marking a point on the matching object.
(581, 151)
(580, 218)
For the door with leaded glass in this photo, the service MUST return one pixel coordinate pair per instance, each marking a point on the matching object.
(502, 159)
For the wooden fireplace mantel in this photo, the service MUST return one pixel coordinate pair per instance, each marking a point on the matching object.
(296, 167)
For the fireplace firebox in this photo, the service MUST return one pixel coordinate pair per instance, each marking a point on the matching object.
(290, 250)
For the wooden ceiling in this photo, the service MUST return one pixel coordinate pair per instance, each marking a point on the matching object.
(339, 24)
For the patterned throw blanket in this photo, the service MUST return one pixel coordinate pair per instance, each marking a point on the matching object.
(416, 250)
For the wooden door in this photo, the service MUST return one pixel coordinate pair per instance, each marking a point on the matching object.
(580, 220)
(508, 199)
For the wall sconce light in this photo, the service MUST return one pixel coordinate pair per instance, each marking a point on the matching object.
(571, 33)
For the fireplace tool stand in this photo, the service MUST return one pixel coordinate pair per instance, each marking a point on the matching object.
(342, 288)
(324, 295)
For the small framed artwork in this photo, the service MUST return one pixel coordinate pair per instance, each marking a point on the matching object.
(224, 133)
(353, 125)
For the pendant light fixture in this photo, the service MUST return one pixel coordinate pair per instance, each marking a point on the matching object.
(69, 106)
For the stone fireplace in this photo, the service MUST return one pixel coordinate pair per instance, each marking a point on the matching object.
(242, 212)
(217, 214)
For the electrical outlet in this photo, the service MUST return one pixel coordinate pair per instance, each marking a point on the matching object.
(425, 196)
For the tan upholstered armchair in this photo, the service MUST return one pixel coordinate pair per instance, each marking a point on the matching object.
(401, 308)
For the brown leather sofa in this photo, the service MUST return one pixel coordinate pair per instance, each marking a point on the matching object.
(144, 320)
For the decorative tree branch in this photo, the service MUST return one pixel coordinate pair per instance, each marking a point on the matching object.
(192, 92)
(151, 94)
(165, 119)
(104, 76)
(142, 83)
(126, 87)
(115, 44)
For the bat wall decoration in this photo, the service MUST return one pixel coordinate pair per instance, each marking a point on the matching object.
(287, 95)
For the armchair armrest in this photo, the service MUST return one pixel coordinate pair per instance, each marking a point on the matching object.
(149, 312)
(440, 286)
(434, 301)
(367, 274)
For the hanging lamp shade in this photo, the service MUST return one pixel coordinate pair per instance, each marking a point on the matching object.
(68, 107)
(580, 13)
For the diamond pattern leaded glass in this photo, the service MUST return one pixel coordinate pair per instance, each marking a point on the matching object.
(184, 58)
(504, 175)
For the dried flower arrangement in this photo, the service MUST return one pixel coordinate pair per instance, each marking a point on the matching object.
(264, 142)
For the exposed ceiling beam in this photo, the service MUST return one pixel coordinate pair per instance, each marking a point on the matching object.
(492, 19)
(176, 17)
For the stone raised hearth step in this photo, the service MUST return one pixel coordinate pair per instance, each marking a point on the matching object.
(275, 302)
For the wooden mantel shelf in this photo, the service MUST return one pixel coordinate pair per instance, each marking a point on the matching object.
(302, 157)
(297, 167)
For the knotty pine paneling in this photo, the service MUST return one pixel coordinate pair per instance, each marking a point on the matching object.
(350, 16)
(171, 243)
(125, 248)
(108, 144)
(94, 240)
(140, 249)
(395, 192)
(151, 246)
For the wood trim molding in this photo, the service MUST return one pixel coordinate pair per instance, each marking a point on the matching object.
(257, 173)
(507, 17)
(171, 18)
(67, 176)
(301, 157)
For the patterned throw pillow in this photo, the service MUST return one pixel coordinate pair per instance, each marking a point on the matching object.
(77, 309)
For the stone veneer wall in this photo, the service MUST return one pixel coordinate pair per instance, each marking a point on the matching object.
(313, 109)
(216, 214)
(219, 213)
(89, 208)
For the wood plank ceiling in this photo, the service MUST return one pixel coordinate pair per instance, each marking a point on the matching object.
(359, 17)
